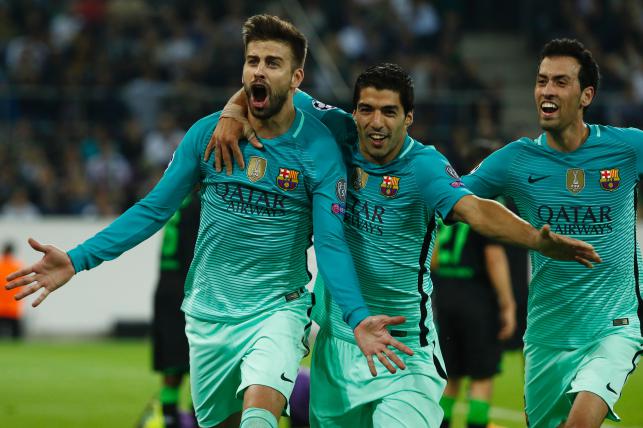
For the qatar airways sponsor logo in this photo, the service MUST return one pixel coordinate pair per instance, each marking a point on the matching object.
(365, 216)
(577, 219)
(245, 200)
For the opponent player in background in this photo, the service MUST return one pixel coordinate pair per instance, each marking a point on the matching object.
(475, 311)
(398, 187)
(247, 311)
(169, 343)
(584, 331)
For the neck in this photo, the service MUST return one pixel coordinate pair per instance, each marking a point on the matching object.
(276, 125)
(570, 138)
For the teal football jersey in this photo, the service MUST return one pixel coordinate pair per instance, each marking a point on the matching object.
(390, 227)
(255, 224)
(588, 194)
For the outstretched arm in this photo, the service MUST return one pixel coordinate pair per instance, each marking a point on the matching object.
(493, 220)
(131, 228)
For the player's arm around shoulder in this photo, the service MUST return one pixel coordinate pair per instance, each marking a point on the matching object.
(340, 123)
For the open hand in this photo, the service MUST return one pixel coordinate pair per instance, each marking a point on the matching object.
(232, 127)
(49, 273)
(565, 248)
(374, 339)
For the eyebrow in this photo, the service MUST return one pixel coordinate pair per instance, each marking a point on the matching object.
(386, 107)
(268, 57)
(555, 77)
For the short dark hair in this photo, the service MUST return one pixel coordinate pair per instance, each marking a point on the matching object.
(269, 27)
(387, 76)
(589, 74)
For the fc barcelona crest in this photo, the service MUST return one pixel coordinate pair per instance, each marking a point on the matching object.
(288, 179)
(256, 168)
(390, 186)
(359, 179)
(610, 179)
(575, 180)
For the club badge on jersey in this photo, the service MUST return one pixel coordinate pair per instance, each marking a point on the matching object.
(288, 179)
(610, 179)
(389, 186)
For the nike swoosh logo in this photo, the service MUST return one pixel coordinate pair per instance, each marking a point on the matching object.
(283, 377)
(533, 180)
(609, 388)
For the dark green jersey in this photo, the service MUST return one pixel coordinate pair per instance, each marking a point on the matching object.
(461, 257)
(179, 238)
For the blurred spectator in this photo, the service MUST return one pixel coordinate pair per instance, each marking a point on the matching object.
(10, 309)
(160, 143)
(108, 169)
(70, 66)
(19, 206)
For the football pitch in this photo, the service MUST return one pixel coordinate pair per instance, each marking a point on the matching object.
(106, 384)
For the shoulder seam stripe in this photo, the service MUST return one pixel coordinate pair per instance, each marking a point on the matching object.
(301, 124)
(408, 148)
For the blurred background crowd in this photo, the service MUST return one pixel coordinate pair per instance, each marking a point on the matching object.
(96, 94)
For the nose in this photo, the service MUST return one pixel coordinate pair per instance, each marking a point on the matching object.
(259, 70)
(549, 89)
(377, 119)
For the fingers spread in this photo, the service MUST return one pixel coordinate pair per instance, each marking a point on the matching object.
(21, 281)
(238, 156)
(28, 290)
(208, 149)
(396, 360)
(385, 362)
(36, 245)
(227, 160)
(371, 365)
(19, 273)
(395, 320)
(401, 347)
(584, 262)
(217, 158)
(41, 297)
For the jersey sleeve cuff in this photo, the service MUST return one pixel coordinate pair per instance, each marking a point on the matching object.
(75, 255)
(357, 316)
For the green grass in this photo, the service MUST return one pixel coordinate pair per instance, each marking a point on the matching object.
(106, 384)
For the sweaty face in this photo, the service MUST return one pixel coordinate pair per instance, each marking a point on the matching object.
(267, 77)
(559, 99)
(381, 124)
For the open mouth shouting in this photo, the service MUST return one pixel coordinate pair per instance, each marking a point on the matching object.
(259, 95)
(548, 109)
